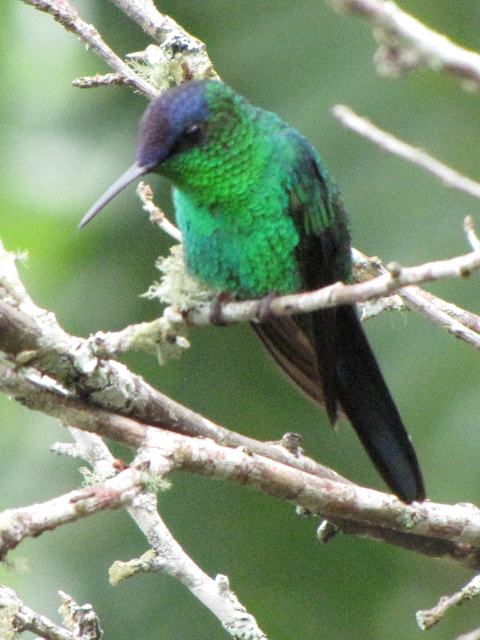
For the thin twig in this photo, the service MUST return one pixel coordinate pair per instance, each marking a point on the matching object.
(101, 80)
(428, 618)
(158, 26)
(82, 619)
(459, 322)
(472, 237)
(431, 307)
(339, 294)
(18, 524)
(169, 556)
(157, 216)
(405, 43)
(16, 617)
(67, 15)
(433, 303)
(171, 559)
(180, 56)
(393, 145)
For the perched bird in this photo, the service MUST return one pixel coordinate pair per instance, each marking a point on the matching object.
(260, 215)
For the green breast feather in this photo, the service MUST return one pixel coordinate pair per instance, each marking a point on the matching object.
(250, 255)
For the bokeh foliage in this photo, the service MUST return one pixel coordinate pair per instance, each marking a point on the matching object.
(62, 146)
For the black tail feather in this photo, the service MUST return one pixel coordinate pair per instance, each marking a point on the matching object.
(368, 404)
(296, 344)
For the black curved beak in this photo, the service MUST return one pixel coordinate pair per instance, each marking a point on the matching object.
(131, 174)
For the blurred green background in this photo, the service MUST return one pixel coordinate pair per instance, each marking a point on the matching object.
(61, 147)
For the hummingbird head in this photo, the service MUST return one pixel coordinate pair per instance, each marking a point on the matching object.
(175, 121)
(181, 136)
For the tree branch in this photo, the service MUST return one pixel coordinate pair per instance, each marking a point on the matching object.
(458, 322)
(101, 80)
(29, 522)
(429, 618)
(159, 26)
(16, 617)
(67, 15)
(31, 336)
(396, 147)
(171, 559)
(405, 43)
(339, 294)
(354, 508)
(168, 556)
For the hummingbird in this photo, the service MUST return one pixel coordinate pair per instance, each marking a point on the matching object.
(261, 216)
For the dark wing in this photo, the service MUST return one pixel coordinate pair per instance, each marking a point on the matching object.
(291, 348)
(305, 346)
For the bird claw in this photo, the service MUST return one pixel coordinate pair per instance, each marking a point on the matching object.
(215, 315)
(264, 312)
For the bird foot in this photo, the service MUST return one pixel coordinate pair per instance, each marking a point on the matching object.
(264, 312)
(215, 315)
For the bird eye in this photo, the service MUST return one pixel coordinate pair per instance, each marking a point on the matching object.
(190, 137)
(194, 133)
